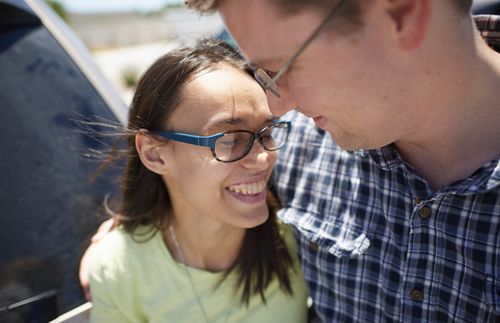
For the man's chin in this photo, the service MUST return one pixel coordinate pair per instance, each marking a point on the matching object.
(351, 142)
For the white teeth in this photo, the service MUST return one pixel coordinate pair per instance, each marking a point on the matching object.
(249, 188)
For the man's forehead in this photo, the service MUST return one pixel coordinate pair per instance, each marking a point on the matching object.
(254, 26)
(266, 36)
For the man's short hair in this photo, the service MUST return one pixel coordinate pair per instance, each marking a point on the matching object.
(288, 6)
(351, 9)
(293, 5)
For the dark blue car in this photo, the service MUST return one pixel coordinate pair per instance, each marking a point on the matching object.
(49, 204)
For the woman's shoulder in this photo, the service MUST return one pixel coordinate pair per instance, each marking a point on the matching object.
(120, 239)
(120, 248)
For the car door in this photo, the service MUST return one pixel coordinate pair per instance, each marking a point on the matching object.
(49, 205)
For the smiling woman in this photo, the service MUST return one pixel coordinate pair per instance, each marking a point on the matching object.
(194, 229)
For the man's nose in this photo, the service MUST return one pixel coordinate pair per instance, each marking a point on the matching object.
(280, 105)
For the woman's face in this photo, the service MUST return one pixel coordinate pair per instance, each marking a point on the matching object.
(232, 194)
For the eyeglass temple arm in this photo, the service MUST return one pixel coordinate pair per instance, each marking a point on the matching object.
(206, 141)
(306, 43)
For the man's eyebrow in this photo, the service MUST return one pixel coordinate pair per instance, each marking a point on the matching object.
(261, 62)
(272, 119)
(252, 65)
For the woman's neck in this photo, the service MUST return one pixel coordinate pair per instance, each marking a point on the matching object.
(210, 246)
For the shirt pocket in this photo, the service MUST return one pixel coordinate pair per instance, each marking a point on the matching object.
(344, 240)
(492, 292)
(337, 236)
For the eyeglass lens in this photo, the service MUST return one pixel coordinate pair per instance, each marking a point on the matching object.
(236, 145)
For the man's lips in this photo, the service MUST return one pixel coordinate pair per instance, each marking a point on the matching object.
(319, 120)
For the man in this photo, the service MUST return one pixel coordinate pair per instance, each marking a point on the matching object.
(397, 217)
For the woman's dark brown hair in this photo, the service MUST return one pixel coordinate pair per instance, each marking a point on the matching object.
(144, 195)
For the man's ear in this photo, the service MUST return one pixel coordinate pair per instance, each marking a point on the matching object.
(150, 153)
(411, 21)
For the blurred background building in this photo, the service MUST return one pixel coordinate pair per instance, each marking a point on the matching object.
(125, 37)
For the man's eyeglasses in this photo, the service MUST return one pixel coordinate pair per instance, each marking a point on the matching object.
(268, 79)
(234, 145)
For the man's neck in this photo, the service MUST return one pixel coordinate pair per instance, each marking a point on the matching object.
(458, 129)
(460, 135)
(440, 166)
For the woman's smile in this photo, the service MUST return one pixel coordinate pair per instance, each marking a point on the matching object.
(249, 192)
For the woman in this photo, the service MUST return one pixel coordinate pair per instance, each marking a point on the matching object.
(196, 240)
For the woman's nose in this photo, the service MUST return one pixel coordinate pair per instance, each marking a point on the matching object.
(258, 157)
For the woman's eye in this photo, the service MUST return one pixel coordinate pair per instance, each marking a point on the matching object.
(267, 137)
(227, 143)
(267, 134)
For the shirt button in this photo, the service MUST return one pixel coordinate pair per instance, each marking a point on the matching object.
(313, 246)
(417, 295)
(417, 201)
(425, 212)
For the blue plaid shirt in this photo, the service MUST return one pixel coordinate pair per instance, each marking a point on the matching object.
(377, 245)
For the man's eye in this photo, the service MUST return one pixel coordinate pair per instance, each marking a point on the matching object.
(270, 73)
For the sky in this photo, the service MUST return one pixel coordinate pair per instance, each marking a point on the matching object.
(87, 6)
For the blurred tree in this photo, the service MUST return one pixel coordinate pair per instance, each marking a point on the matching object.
(58, 8)
(130, 77)
(174, 5)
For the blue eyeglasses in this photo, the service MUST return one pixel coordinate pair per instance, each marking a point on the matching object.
(234, 145)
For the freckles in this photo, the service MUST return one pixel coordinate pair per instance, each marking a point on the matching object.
(200, 155)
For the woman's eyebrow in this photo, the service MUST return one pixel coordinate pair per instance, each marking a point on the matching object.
(217, 124)
(221, 123)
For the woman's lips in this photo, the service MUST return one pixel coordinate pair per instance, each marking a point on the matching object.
(249, 198)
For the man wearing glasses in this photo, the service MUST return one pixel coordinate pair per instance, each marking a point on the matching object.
(398, 213)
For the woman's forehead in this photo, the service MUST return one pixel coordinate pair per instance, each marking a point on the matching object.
(225, 97)
(211, 118)
(220, 81)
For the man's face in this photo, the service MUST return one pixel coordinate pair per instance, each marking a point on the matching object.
(353, 83)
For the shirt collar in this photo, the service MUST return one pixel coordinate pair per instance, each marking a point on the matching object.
(482, 180)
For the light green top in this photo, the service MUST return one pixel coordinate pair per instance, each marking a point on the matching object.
(134, 281)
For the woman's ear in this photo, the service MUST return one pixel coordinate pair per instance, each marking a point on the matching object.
(411, 21)
(151, 153)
